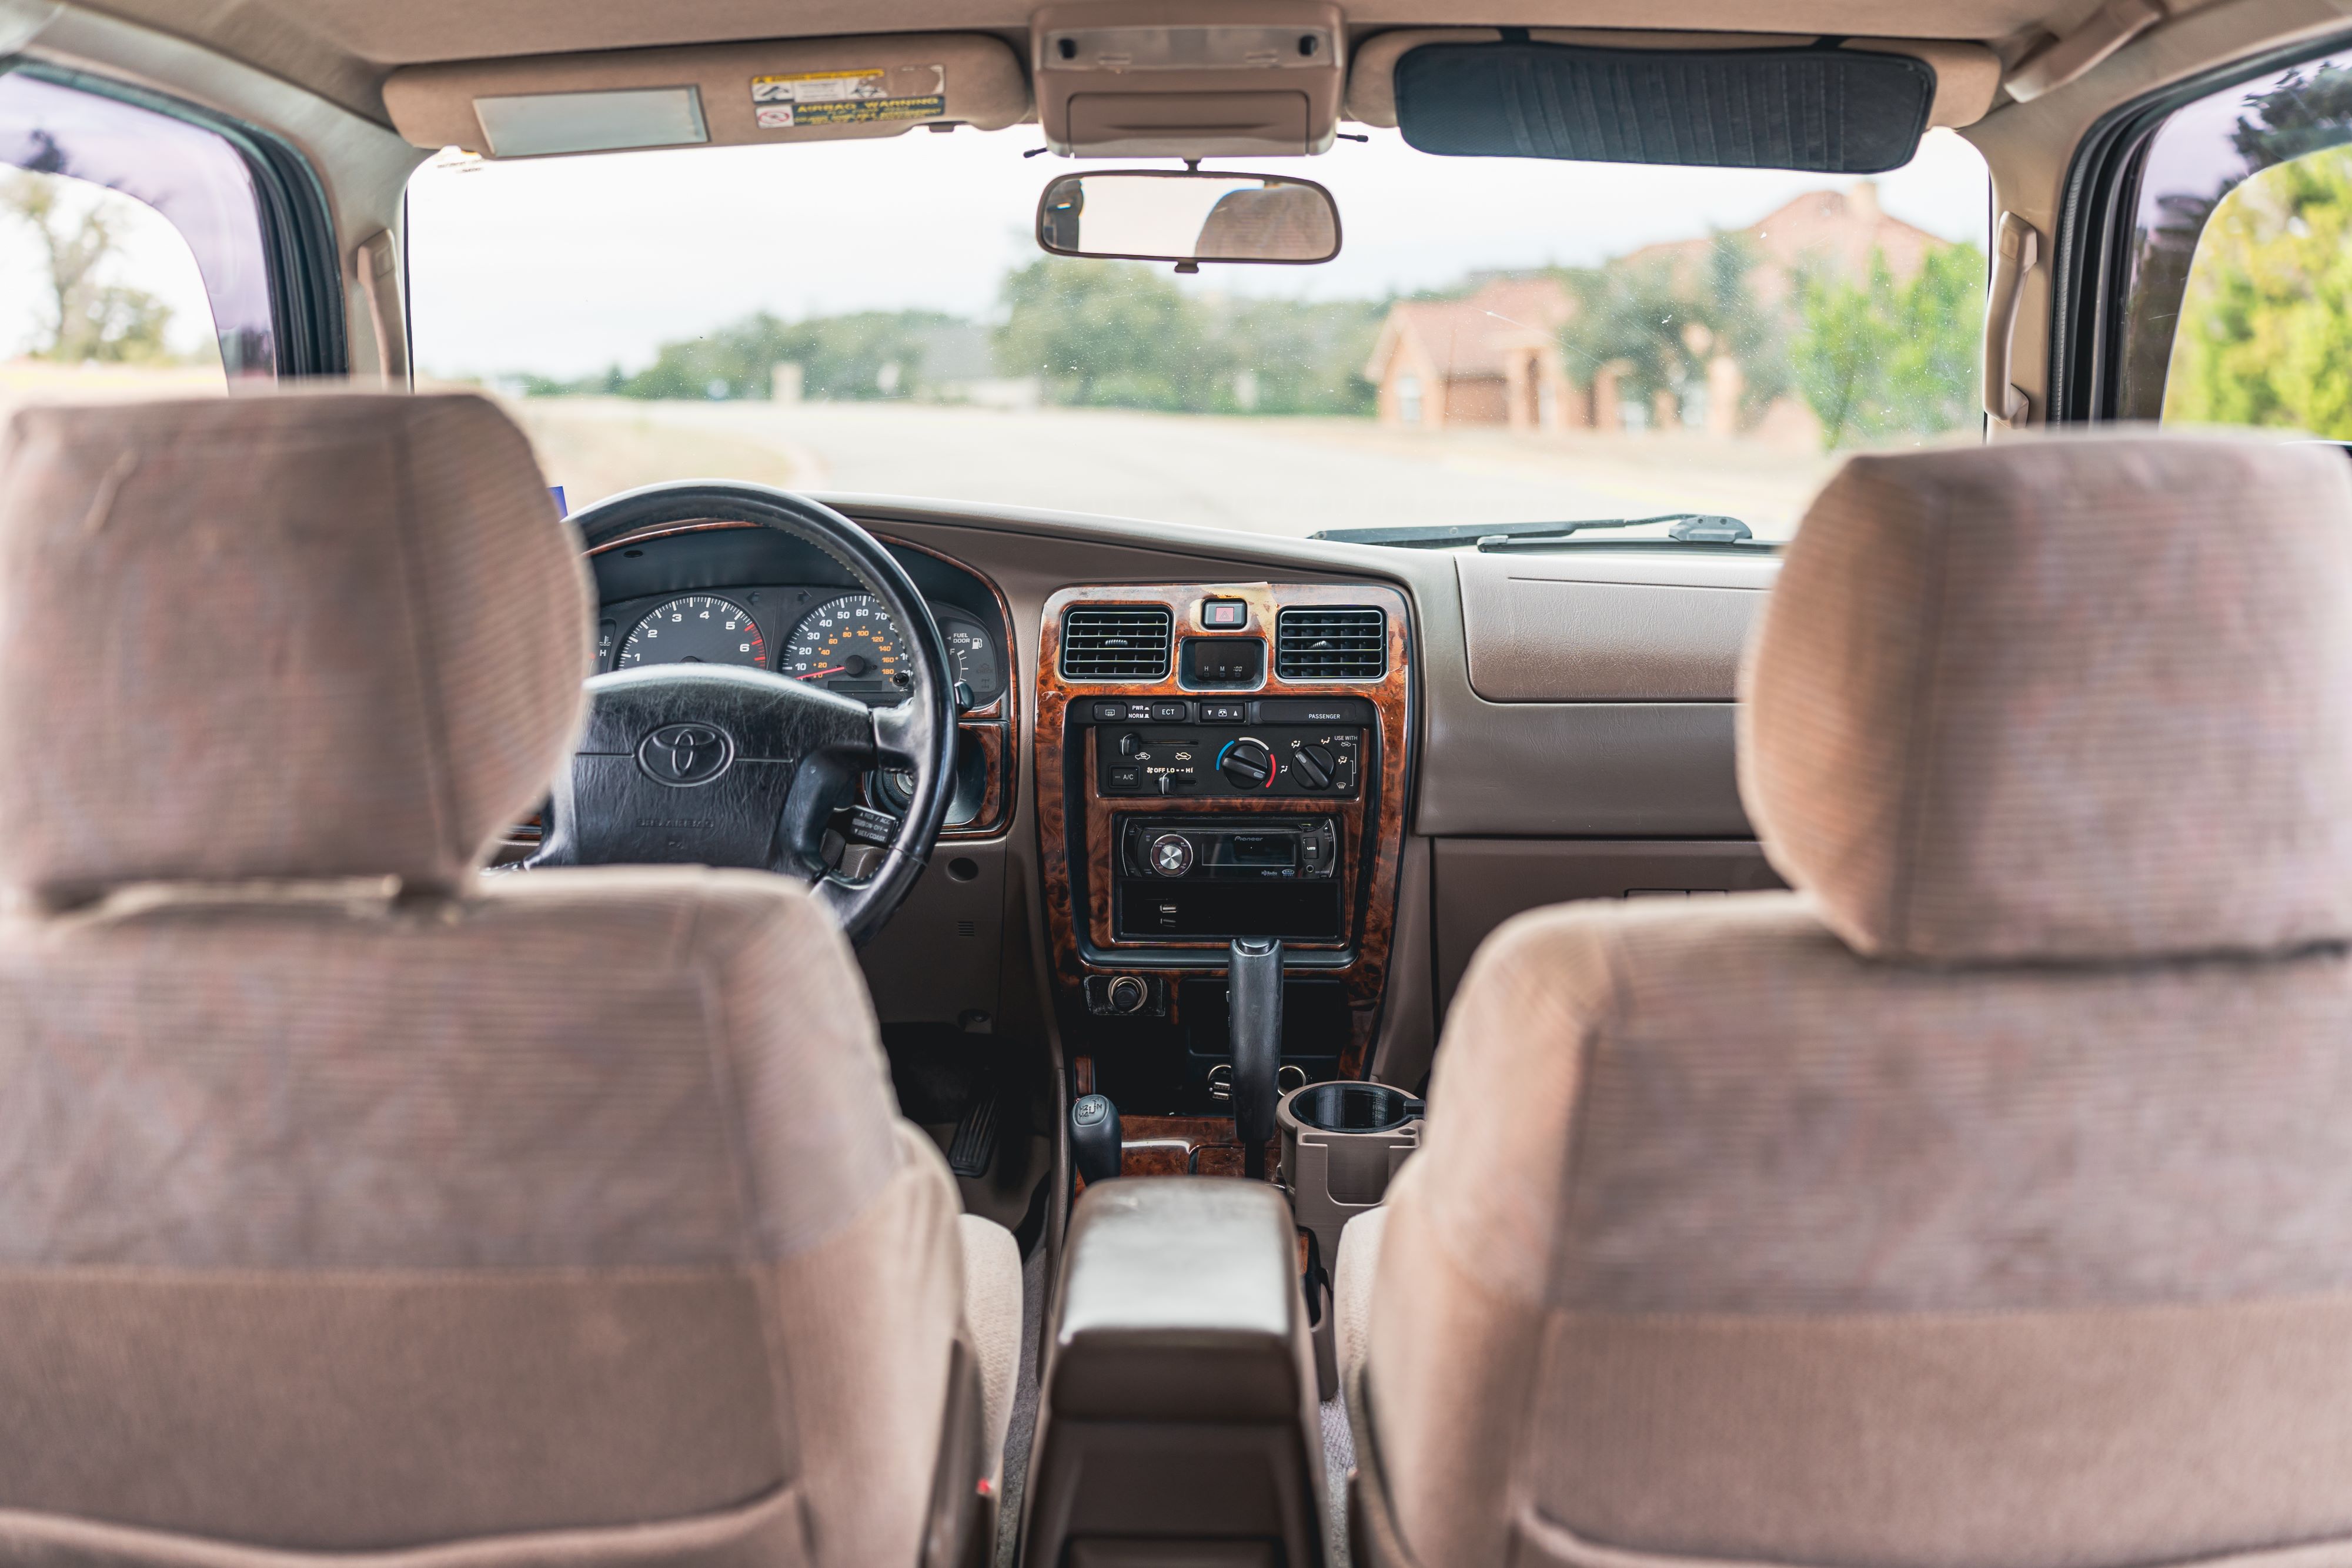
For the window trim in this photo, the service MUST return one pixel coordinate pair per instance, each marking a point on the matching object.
(307, 321)
(2096, 214)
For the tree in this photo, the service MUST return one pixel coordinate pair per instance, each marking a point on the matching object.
(2265, 332)
(1659, 324)
(2297, 114)
(87, 318)
(1875, 358)
(1109, 334)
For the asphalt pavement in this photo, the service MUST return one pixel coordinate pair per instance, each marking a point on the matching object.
(1268, 475)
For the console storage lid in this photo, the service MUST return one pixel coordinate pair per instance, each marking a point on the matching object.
(1178, 1404)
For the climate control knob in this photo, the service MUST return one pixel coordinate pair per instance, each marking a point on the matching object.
(1171, 855)
(1247, 765)
(1315, 766)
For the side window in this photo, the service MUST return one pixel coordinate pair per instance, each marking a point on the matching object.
(2239, 295)
(131, 248)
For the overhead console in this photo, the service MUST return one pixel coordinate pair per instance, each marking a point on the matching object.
(1232, 762)
(1188, 79)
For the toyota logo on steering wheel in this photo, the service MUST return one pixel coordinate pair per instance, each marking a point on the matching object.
(685, 754)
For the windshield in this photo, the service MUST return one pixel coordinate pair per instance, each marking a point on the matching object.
(1498, 341)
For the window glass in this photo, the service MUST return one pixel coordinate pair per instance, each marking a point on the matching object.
(130, 250)
(1499, 340)
(2235, 309)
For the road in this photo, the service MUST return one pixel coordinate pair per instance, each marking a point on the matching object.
(1261, 476)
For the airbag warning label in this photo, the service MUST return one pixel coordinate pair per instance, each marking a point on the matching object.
(849, 97)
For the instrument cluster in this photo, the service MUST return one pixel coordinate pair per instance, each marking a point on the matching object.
(842, 641)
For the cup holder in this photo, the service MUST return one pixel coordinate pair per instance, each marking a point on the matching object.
(1349, 1107)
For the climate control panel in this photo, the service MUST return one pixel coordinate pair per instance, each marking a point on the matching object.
(1225, 750)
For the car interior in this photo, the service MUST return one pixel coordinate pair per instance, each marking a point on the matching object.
(1190, 1002)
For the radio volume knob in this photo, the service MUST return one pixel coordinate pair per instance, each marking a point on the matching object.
(1171, 855)
(1247, 765)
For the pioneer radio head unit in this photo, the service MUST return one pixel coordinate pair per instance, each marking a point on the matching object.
(1195, 876)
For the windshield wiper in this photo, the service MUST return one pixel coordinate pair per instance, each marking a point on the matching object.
(1686, 528)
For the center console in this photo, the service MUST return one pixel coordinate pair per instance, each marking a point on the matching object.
(1232, 762)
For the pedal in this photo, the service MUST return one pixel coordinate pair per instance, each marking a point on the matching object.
(973, 1148)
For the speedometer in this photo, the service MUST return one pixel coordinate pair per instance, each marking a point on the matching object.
(699, 629)
(848, 645)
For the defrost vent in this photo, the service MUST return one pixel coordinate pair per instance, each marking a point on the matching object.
(1120, 643)
(1348, 643)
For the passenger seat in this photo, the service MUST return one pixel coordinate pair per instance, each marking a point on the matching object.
(1986, 1202)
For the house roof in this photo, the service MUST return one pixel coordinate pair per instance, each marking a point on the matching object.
(1480, 335)
(1837, 227)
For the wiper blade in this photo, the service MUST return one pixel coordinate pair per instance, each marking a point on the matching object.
(1687, 528)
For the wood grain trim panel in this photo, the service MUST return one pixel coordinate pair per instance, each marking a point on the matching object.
(1177, 1145)
(1373, 823)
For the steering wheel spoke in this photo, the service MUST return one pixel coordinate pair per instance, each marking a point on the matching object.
(723, 765)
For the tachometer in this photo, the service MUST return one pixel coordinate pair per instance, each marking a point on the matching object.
(699, 629)
(848, 645)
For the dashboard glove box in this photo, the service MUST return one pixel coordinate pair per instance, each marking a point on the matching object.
(1178, 1404)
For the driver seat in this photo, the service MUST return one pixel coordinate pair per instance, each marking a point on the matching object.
(351, 1203)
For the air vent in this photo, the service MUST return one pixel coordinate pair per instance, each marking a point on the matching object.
(1349, 644)
(1124, 642)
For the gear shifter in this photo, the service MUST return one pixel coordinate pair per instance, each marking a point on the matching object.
(1095, 1137)
(1254, 970)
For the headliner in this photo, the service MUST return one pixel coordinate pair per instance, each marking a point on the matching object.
(343, 49)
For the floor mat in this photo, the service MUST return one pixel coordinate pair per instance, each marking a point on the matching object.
(1339, 1458)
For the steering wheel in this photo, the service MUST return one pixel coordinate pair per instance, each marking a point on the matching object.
(721, 765)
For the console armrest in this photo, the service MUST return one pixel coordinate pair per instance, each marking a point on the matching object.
(1178, 1404)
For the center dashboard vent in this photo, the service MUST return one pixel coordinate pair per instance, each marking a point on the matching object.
(1348, 643)
(1116, 642)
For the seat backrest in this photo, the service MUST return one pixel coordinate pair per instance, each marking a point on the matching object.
(1986, 1201)
(352, 1203)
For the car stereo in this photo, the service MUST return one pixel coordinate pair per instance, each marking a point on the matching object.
(1194, 877)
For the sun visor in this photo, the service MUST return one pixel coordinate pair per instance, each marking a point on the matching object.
(1823, 110)
(1966, 75)
(1188, 79)
(721, 94)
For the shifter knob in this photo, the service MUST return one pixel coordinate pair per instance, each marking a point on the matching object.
(1254, 974)
(1095, 1137)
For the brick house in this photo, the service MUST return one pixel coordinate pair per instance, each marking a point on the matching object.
(1490, 359)
(1494, 357)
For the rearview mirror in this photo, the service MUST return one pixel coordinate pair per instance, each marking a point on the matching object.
(1187, 216)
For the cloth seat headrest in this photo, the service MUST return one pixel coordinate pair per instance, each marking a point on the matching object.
(2068, 698)
(300, 635)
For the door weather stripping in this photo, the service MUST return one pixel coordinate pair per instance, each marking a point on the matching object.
(2017, 250)
(2055, 64)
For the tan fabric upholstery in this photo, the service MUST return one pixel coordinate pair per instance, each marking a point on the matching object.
(1352, 1272)
(991, 1316)
(291, 636)
(1732, 1240)
(565, 1217)
(2077, 698)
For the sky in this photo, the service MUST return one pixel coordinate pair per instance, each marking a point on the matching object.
(565, 265)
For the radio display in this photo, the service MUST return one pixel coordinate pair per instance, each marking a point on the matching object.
(1262, 849)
